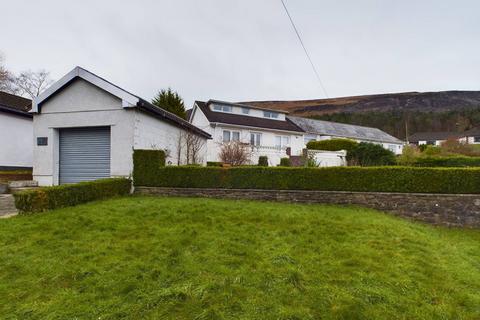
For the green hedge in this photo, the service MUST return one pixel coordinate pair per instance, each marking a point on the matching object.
(332, 144)
(374, 179)
(146, 162)
(263, 161)
(285, 162)
(48, 198)
(448, 161)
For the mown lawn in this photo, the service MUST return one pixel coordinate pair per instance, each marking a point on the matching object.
(174, 258)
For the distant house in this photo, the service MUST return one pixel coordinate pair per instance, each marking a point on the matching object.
(433, 138)
(268, 132)
(16, 132)
(322, 130)
(272, 132)
(471, 136)
(86, 128)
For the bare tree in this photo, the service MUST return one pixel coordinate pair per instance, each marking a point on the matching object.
(189, 146)
(7, 79)
(32, 83)
(235, 153)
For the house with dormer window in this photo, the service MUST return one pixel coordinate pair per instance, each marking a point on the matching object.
(267, 132)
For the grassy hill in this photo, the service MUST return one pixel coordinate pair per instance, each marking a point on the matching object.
(422, 111)
(172, 258)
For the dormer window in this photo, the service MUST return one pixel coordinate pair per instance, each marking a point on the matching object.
(245, 110)
(222, 108)
(270, 114)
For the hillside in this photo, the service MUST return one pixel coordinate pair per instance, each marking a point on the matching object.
(423, 111)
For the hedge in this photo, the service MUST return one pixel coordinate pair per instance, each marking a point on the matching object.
(447, 161)
(367, 179)
(263, 161)
(48, 198)
(332, 144)
(285, 162)
(145, 162)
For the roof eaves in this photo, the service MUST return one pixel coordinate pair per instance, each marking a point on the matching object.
(170, 117)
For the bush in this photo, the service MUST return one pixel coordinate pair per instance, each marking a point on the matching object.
(332, 145)
(409, 156)
(263, 161)
(370, 154)
(48, 198)
(285, 162)
(372, 179)
(146, 162)
(214, 164)
(431, 150)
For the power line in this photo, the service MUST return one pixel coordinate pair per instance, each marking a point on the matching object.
(304, 49)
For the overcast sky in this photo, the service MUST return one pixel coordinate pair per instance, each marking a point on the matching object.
(246, 49)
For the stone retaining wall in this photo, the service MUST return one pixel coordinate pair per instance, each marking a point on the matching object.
(457, 210)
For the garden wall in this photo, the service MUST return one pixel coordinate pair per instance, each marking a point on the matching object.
(457, 210)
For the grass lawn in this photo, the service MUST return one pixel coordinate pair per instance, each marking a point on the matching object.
(177, 258)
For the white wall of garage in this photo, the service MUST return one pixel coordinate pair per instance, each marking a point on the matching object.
(16, 140)
(82, 104)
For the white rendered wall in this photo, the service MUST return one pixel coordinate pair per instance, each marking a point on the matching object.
(150, 133)
(82, 105)
(329, 158)
(16, 140)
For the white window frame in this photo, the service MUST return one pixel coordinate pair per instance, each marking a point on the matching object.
(284, 141)
(270, 114)
(222, 108)
(256, 139)
(231, 135)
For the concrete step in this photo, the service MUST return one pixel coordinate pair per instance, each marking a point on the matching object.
(7, 205)
(23, 184)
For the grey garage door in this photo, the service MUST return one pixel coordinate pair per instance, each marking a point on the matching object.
(84, 154)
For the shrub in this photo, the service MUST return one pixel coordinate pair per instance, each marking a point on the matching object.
(214, 164)
(235, 153)
(409, 156)
(370, 154)
(146, 162)
(263, 161)
(285, 162)
(332, 145)
(371, 179)
(430, 150)
(48, 198)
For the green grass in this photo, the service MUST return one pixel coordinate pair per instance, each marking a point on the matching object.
(174, 258)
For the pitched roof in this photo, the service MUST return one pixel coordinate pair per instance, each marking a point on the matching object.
(129, 100)
(13, 104)
(432, 136)
(472, 132)
(247, 121)
(343, 130)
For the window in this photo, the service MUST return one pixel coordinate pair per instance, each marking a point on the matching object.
(235, 136)
(476, 139)
(245, 110)
(282, 141)
(222, 108)
(226, 136)
(391, 147)
(431, 142)
(255, 139)
(231, 136)
(270, 114)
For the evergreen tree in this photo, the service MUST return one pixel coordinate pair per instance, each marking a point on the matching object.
(170, 100)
